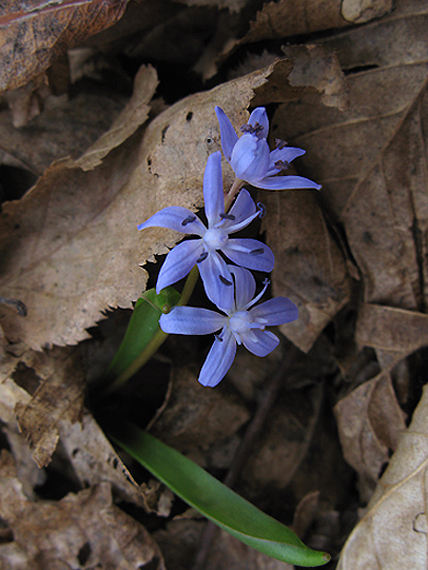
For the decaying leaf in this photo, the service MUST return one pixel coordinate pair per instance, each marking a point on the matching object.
(58, 397)
(34, 34)
(370, 422)
(287, 18)
(83, 530)
(393, 333)
(393, 533)
(310, 269)
(195, 420)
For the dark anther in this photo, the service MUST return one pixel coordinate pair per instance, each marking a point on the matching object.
(257, 251)
(227, 217)
(218, 337)
(203, 256)
(252, 130)
(280, 144)
(188, 220)
(225, 281)
(262, 209)
(281, 164)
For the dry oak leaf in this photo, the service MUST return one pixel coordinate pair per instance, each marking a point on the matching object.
(84, 530)
(392, 535)
(370, 422)
(33, 34)
(70, 247)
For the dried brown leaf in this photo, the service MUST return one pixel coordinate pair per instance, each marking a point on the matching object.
(59, 397)
(310, 268)
(35, 33)
(286, 18)
(393, 533)
(370, 422)
(81, 531)
(393, 333)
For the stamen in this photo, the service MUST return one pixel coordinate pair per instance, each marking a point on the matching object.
(225, 281)
(188, 220)
(202, 257)
(281, 165)
(280, 144)
(252, 130)
(227, 217)
(218, 337)
(262, 209)
(257, 251)
(258, 297)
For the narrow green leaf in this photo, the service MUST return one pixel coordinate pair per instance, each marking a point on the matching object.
(216, 501)
(143, 326)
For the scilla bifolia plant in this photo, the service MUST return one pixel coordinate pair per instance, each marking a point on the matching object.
(240, 319)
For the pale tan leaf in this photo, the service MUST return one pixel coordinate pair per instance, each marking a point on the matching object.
(392, 535)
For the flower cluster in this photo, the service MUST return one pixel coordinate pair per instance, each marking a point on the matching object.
(230, 287)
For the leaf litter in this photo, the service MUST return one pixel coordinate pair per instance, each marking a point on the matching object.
(353, 257)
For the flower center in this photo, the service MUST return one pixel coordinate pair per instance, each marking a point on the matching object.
(215, 238)
(240, 322)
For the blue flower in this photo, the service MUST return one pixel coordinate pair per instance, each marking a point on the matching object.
(240, 325)
(214, 271)
(250, 156)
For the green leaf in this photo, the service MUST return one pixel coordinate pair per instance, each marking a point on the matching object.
(143, 335)
(216, 501)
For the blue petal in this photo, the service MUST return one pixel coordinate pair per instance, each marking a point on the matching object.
(227, 133)
(275, 312)
(219, 360)
(191, 320)
(245, 286)
(239, 251)
(213, 189)
(259, 116)
(250, 158)
(286, 183)
(172, 218)
(286, 154)
(259, 342)
(178, 263)
(244, 207)
(212, 270)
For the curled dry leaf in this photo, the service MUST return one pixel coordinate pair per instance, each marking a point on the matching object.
(83, 530)
(70, 247)
(278, 20)
(370, 422)
(393, 533)
(35, 33)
